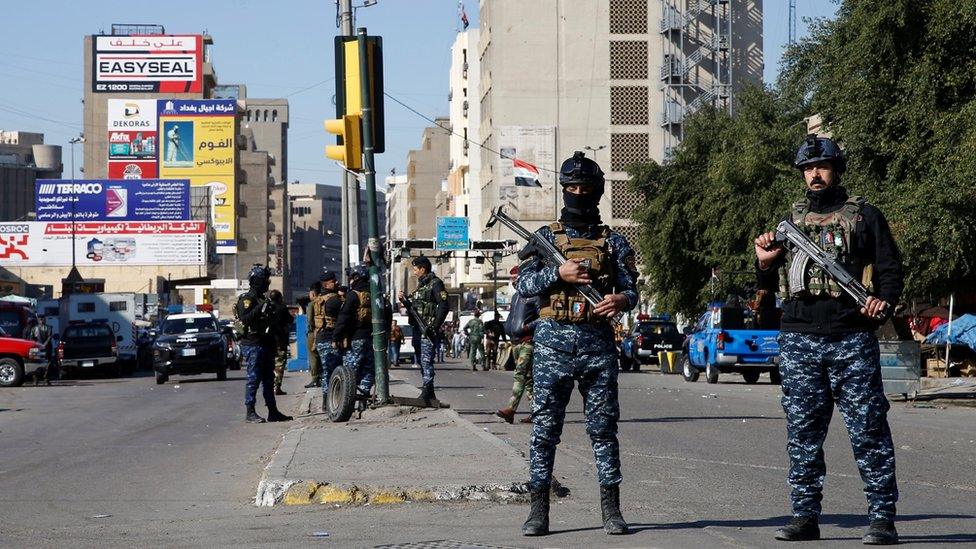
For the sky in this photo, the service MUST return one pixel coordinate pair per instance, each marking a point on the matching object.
(279, 48)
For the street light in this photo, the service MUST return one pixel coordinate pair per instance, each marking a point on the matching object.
(73, 276)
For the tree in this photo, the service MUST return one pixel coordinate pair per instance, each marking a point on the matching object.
(894, 81)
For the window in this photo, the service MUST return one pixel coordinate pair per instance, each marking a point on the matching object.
(118, 306)
(86, 307)
(274, 115)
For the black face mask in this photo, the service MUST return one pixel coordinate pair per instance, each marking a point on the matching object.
(825, 198)
(580, 211)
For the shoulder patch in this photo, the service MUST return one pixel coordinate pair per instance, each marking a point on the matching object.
(443, 294)
(247, 303)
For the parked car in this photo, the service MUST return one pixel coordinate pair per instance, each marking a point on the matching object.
(724, 340)
(648, 337)
(234, 342)
(18, 359)
(90, 346)
(191, 344)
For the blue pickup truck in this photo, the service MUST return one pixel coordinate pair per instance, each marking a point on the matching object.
(724, 341)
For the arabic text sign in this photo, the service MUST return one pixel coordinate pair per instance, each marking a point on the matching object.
(133, 141)
(100, 243)
(452, 233)
(153, 64)
(101, 199)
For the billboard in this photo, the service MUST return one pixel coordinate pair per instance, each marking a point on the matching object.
(198, 143)
(147, 64)
(105, 199)
(133, 141)
(103, 243)
(452, 233)
(526, 172)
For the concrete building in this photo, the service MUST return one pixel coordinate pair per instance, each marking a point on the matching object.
(614, 79)
(24, 158)
(316, 231)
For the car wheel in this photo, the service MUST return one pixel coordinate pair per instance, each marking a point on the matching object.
(11, 373)
(161, 378)
(711, 373)
(689, 372)
(751, 376)
(775, 378)
(342, 394)
(222, 374)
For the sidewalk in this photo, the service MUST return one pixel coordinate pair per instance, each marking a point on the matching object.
(393, 454)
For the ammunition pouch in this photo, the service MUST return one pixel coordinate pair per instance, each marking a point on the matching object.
(563, 302)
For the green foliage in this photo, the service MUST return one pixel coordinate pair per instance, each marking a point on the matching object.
(895, 82)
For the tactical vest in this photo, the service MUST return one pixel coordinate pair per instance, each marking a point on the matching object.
(321, 318)
(832, 232)
(423, 302)
(564, 303)
(248, 329)
(364, 313)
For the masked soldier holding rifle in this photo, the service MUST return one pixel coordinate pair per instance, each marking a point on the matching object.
(829, 352)
(574, 338)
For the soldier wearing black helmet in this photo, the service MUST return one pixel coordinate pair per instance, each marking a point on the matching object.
(430, 302)
(354, 328)
(829, 353)
(574, 341)
(256, 314)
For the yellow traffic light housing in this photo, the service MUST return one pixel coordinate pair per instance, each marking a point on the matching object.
(349, 150)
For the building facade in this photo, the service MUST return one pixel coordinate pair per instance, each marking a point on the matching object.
(24, 158)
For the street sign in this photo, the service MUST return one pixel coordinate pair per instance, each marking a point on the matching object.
(452, 233)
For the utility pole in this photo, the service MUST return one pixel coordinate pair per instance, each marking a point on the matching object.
(380, 347)
(350, 185)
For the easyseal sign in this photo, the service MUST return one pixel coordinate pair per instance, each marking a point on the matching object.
(147, 64)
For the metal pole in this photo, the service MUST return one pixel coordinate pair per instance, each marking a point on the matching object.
(74, 198)
(380, 351)
(350, 185)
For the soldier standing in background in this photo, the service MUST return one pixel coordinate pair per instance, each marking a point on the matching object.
(355, 326)
(314, 359)
(281, 324)
(574, 340)
(520, 326)
(327, 306)
(475, 330)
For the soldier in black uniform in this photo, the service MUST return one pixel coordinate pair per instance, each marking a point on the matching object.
(430, 302)
(255, 312)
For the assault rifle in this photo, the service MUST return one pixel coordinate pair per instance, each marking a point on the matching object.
(412, 313)
(547, 252)
(804, 251)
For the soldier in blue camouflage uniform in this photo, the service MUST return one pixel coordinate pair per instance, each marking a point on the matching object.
(326, 306)
(828, 349)
(255, 312)
(574, 341)
(430, 302)
(355, 326)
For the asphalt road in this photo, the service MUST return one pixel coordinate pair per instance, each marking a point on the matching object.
(126, 463)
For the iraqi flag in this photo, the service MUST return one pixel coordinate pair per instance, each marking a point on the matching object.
(526, 175)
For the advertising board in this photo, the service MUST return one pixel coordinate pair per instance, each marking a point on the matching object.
(198, 140)
(106, 199)
(133, 141)
(526, 172)
(102, 243)
(147, 64)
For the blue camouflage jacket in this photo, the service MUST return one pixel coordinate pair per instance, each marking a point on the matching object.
(535, 278)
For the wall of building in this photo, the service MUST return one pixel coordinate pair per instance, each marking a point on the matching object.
(24, 159)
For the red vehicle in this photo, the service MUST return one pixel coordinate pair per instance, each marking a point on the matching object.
(18, 358)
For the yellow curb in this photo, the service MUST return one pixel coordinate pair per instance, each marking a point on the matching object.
(384, 497)
(331, 494)
(300, 494)
(420, 495)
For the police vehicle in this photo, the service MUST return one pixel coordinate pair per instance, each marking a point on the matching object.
(191, 344)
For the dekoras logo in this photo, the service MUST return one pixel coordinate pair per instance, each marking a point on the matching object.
(130, 110)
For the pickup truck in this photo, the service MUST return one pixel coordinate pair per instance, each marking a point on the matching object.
(648, 337)
(18, 359)
(90, 346)
(724, 341)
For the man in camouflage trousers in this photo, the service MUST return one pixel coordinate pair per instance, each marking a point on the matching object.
(520, 325)
(475, 331)
(429, 302)
(574, 339)
(829, 353)
(355, 325)
(326, 306)
(281, 326)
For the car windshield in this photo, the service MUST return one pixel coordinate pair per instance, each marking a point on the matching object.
(662, 328)
(189, 325)
(95, 330)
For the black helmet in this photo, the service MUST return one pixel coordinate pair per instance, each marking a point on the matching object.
(580, 170)
(356, 272)
(259, 277)
(327, 275)
(820, 149)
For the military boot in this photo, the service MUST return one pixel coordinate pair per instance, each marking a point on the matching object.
(274, 415)
(314, 383)
(252, 416)
(427, 393)
(508, 414)
(613, 521)
(800, 529)
(881, 532)
(538, 522)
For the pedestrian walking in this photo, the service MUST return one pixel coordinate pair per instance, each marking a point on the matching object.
(396, 342)
(281, 325)
(327, 306)
(458, 343)
(41, 333)
(314, 323)
(574, 340)
(475, 332)
(828, 351)
(429, 301)
(494, 330)
(523, 315)
(255, 313)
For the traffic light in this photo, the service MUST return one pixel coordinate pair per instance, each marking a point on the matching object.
(349, 150)
(348, 98)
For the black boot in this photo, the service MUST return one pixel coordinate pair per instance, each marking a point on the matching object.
(274, 415)
(427, 393)
(800, 529)
(538, 522)
(325, 403)
(314, 383)
(613, 521)
(881, 532)
(252, 416)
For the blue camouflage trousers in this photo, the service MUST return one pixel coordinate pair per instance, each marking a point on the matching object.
(359, 358)
(554, 373)
(427, 360)
(331, 356)
(259, 361)
(818, 371)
